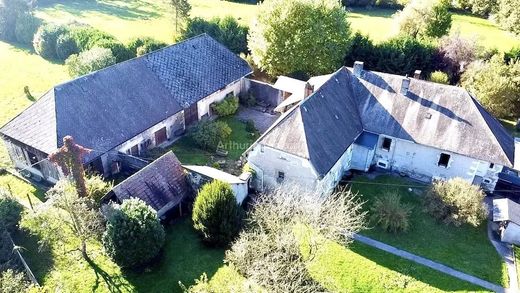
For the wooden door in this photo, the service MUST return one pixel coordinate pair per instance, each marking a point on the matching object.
(160, 136)
(191, 115)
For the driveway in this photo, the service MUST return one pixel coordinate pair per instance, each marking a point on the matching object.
(262, 120)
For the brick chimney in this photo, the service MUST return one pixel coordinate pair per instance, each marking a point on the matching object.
(358, 68)
(309, 89)
(417, 74)
(405, 85)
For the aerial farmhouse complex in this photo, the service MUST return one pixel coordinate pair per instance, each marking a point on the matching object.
(358, 119)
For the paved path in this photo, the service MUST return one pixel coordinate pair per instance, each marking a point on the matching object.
(506, 252)
(262, 120)
(429, 263)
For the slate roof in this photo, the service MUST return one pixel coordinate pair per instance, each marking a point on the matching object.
(162, 184)
(323, 126)
(103, 109)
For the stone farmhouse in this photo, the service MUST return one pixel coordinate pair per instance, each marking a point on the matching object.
(358, 119)
(127, 108)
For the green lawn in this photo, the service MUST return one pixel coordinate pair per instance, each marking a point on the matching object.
(464, 248)
(184, 259)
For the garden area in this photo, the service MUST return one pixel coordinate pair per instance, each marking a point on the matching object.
(465, 248)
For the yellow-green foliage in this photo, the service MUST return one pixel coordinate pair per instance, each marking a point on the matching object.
(439, 77)
(390, 213)
(226, 107)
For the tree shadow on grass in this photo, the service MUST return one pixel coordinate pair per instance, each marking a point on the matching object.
(128, 10)
(39, 260)
(419, 272)
(184, 260)
(113, 283)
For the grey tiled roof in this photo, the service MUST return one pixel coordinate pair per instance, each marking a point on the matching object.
(323, 126)
(194, 69)
(161, 183)
(103, 109)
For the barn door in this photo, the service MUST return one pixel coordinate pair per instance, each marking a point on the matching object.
(160, 136)
(191, 115)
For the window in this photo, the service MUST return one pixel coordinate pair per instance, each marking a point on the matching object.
(134, 151)
(387, 143)
(491, 166)
(444, 159)
(281, 176)
(33, 159)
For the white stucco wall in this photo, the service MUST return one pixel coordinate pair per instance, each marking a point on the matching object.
(332, 178)
(421, 162)
(241, 191)
(203, 106)
(267, 162)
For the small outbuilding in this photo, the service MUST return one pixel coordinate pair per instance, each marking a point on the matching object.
(507, 214)
(200, 175)
(162, 184)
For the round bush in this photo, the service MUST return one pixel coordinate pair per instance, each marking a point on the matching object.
(10, 213)
(456, 202)
(216, 214)
(65, 46)
(134, 235)
(390, 213)
(45, 40)
(440, 77)
(226, 107)
(26, 26)
(209, 134)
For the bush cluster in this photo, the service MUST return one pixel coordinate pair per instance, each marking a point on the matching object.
(46, 38)
(226, 107)
(10, 212)
(13, 282)
(209, 134)
(390, 213)
(143, 45)
(456, 202)
(12, 13)
(89, 61)
(134, 236)
(216, 215)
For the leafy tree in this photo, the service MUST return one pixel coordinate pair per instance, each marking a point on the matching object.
(120, 51)
(299, 35)
(226, 31)
(46, 38)
(65, 46)
(10, 11)
(456, 202)
(216, 215)
(361, 49)
(226, 107)
(65, 218)
(495, 84)
(88, 37)
(209, 134)
(26, 26)
(508, 15)
(439, 77)
(182, 11)
(89, 61)
(390, 213)
(142, 45)
(10, 212)
(425, 18)
(134, 235)
(483, 7)
(455, 53)
(284, 231)
(13, 282)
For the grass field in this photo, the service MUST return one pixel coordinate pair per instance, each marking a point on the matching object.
(463, 248)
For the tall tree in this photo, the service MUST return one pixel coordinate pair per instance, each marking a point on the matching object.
(425, 18)
(182, 11)
(299, 36)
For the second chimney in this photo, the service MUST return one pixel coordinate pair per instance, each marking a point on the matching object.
(309, 89)
(358, 67)
(405, 85)
(417, 74)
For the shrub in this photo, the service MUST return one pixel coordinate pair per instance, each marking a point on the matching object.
(250, 126)
(508, 15)
(10, 212)
(482, 7)
(134, 236)
(299, 35)
(26, 26)
(495, 85)
(88, 37)
(456, 202)
(208, 134)
(46, 38)
(512, 55)
(439, 77)
(65, 46)
(13, 282)
(226, 31)
(361, 49)
(143, 45)
(120, 51)
(424, 18)
(455, 53)
(89, 61)
(216, 215)
(97, 188)
(10, 11)
(390, 213)
(226, 107)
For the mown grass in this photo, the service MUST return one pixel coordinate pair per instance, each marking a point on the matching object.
(184, 259)
(464, 248)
